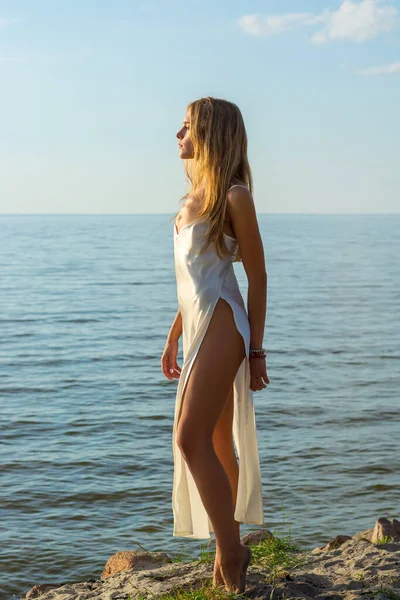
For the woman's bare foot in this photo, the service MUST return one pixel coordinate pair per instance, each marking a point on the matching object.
(218, 580)
(234, 569)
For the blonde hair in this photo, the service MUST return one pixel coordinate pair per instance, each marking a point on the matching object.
(219, 140)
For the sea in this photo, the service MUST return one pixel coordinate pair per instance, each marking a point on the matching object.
(86, 414)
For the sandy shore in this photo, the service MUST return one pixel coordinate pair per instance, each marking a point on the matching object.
(365, 565)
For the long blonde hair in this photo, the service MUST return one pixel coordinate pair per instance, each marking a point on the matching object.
(219, 140)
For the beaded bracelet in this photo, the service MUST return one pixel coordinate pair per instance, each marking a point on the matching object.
(257, 353)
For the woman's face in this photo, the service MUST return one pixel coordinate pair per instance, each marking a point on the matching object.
(183, 135)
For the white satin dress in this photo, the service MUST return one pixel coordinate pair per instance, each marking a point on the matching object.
(201, 280)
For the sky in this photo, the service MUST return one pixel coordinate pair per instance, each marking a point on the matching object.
(93, 93)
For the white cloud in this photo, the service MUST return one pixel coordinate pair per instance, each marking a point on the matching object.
(353, 21)
(384, 70)
(357, 21)
(274, 24)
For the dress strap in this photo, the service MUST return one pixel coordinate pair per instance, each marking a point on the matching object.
(239, 185)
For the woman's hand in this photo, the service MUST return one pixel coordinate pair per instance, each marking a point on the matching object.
(169, 366)
(258, 373)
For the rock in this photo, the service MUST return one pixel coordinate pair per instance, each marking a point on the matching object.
(126, 560)
(346, 568)
(255, 537)
(41, 588)
(363, 535)
(354, 569)
(385, 527)
(338, 540)
(334, 543)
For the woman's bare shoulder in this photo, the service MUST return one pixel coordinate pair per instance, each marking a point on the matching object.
(241, 209)
(237, 182)
(239, 197)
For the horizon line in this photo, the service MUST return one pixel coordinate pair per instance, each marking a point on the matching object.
(165, 214)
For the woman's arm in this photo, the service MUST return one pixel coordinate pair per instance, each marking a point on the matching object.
(169, 366)
(242, 213)
(257, 310)
(176, 328)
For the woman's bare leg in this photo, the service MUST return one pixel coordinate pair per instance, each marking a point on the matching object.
(210, 381)
(224, 448)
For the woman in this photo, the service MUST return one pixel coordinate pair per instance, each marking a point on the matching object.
(224, 361)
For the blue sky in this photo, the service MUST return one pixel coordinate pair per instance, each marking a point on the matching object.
(93, 93)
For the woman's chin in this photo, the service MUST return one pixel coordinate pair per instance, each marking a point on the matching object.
(184, 154)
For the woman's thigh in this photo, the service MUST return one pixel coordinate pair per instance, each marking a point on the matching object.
(210, 380)
(223, 432)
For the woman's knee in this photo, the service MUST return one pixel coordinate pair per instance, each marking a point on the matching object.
(191, 439)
